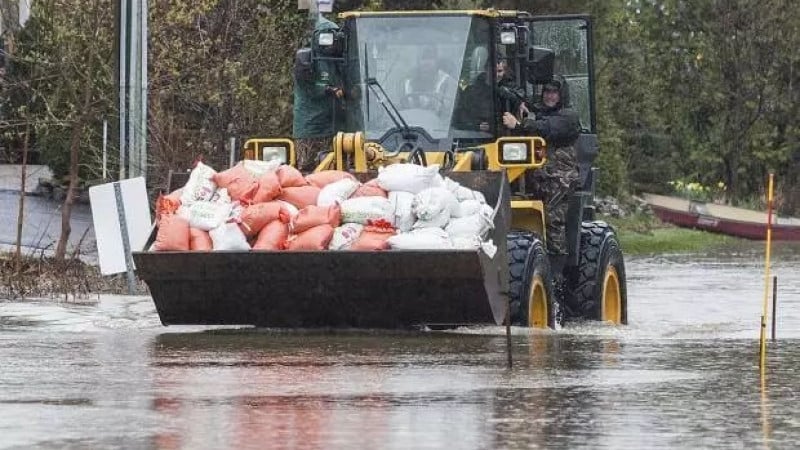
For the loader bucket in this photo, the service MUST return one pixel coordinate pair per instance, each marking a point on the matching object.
(352, 289)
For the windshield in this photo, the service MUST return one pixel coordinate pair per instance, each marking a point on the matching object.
(434, 69)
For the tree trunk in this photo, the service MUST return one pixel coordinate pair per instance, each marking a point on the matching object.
(21, 212)
(74, 147)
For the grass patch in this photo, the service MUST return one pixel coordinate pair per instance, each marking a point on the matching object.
(643, 234)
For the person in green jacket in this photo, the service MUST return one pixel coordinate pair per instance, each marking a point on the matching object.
(315, 101)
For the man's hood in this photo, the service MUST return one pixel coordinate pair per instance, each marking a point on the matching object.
(325, 24)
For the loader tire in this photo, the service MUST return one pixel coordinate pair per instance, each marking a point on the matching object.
(530, 282)
(598, 285)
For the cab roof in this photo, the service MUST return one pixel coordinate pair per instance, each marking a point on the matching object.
(491, 13)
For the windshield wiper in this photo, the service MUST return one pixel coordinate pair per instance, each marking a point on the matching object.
(386, 102)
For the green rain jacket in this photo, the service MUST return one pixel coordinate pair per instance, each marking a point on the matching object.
(313, 105)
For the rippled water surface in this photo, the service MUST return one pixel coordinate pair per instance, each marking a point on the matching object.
(682, 375)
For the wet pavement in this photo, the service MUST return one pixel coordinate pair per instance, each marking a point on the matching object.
(683, 374)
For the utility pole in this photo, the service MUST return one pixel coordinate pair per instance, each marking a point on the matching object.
(132, 61)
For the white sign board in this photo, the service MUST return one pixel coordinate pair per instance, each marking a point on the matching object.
(107, 230)
(325, 6)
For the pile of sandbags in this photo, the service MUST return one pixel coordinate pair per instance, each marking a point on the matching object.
(266, 206)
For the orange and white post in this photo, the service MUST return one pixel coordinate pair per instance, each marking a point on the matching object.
(763, 353)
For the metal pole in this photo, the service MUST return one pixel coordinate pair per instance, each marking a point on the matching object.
(123, 89)
(774, 304)
(105, 150)
(126, 245)
(232, 142)
(508, 334)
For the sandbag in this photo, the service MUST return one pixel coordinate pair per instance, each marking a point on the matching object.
(258, 168)
(229, 236)
(272, 237)
(363, 209)
(373, 238)
(369, 189)
(420, 241)
(201, 185)
(207, 215)
(467, 208)
(255, 217)
(226, 177)
(466, 242)
(312, 216)
(408, 177)
(173, 234)
(403, 213)
(463, 193)
(301, 196)
(433, 207)
(326, 177)
(345, 235)
(199, 240)
(337, 192)
(269, 188)
(243, 189)
(476, 225)
(290, 177)
(288, 212)
(166, 204)
(316, 238)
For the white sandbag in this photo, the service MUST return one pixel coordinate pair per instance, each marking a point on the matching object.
(433, 207)
(408, 177)
(207, 215)
(363, 209)
(403, 212)
(258, 168)
(450, 185)
(476, 225)
(419, 241)
(463, 193)
(228, 236)
(345, 235)
(466, 242)
(221, 196)
(337, 192)
(200, 186)
(184, 212)
(237, 208)
(293, 211)
(467, 208)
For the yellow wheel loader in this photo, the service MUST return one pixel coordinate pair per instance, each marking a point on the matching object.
(400, 107)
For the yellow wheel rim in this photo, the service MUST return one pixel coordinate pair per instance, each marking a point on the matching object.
(537, 304)
(612, 300)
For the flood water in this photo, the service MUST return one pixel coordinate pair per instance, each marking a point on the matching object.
(683, 374)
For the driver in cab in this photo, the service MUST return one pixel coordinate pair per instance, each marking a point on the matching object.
(428, 85)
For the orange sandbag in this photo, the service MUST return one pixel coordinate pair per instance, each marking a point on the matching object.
(272, 237)
(312, 216)
(243, 189)
(255, 217)
(269, 188)
(290, 177)
(226, 177)
(300, 196)
(374, 237)
(173, 234)
(167, 204)
(199, 240)
(326, 177)
(316, 238)
(370, 189)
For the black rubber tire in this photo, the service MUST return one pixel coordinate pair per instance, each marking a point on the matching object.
(527, 257)
(599, 250)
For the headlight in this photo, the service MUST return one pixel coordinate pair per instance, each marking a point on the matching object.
(508, 37)
(274, 154)
(325, 39)
(515, 152)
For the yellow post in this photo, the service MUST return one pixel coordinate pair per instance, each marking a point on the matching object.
(763, 353)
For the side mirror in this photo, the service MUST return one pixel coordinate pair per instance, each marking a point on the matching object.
(540, 64)
(329, 43)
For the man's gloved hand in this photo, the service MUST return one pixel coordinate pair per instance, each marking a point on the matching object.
(510, 121)
(335, 91)
(525, 112)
